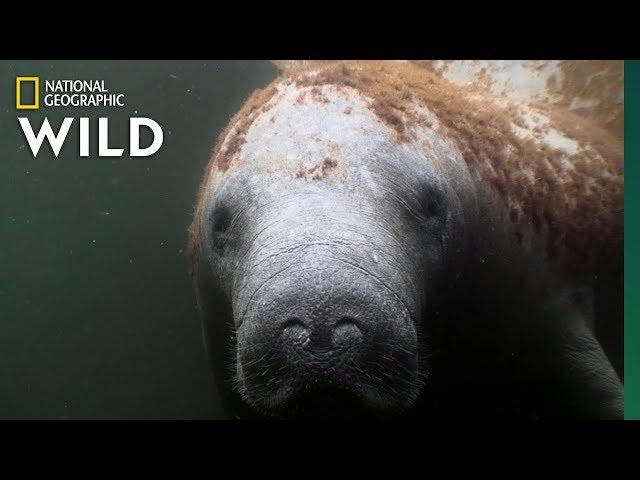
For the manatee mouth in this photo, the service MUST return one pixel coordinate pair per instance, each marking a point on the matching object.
(330, 365)
(374, 385)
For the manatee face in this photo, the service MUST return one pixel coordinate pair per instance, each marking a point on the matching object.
(327, 241)
(329, 282)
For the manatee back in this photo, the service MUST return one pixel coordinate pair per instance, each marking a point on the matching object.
(556, 175)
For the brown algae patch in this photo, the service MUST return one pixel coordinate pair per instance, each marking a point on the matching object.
(573, 199)
(318, 171)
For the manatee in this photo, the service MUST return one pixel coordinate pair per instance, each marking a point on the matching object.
(371, 239)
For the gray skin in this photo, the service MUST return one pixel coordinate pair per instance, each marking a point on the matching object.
(395, 293)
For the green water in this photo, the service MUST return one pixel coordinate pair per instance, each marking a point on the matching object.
(97, 310)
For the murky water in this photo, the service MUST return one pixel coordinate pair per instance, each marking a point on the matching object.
(97, 311)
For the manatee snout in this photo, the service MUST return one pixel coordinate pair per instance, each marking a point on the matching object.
(332, 333)
(327, 285)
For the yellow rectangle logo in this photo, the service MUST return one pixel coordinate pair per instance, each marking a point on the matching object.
(36, 104)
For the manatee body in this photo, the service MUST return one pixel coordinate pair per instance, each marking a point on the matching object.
(370, 239)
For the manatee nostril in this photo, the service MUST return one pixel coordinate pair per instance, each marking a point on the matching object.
(346, 332)
(295, 331)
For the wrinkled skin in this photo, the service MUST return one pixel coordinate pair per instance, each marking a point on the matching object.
(320, 292)
(344, 271)
(392, 294)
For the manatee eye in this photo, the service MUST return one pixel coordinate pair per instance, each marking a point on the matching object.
(221, 219)
(220, 223)
(433, 204)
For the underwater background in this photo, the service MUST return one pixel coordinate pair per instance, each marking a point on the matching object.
(98, 315)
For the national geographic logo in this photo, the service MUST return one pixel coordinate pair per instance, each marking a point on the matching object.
(67, 93)
(80, 94)
(20, 104)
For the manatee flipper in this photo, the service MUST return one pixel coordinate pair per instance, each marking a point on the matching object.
(577, 380)
(608, 287)
(590, 377)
